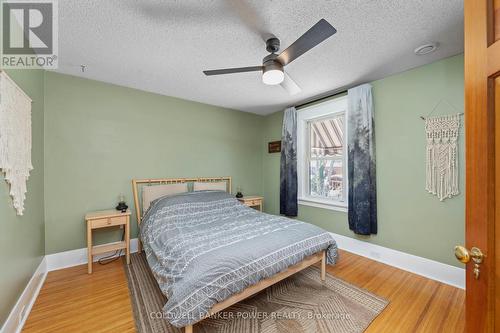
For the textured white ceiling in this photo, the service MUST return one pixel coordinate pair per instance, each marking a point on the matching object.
(163, 46)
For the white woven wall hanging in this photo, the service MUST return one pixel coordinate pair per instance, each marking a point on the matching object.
(15, 139)
(442, 155)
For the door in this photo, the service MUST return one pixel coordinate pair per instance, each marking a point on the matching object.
(482, 117)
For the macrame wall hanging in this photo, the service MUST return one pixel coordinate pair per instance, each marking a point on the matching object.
(442, 155)
(15, 139)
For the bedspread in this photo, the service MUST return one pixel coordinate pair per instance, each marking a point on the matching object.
(203, 247)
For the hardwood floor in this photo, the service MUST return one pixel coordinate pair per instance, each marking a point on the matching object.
(73, 301)
(416, 304)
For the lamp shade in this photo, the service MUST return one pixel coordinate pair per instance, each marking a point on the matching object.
(273, 74)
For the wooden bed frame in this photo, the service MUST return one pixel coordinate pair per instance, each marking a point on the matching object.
(249, 291)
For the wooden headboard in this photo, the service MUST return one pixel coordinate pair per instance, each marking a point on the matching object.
(136, 183)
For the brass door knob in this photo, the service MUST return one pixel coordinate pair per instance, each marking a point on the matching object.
(464, 256)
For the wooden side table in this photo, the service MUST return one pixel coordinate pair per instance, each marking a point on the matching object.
(105, 219)
(253, 201)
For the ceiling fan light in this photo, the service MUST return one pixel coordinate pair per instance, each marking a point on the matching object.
(273, 76)
(272, 73)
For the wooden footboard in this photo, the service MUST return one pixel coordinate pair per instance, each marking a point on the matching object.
(263, 284)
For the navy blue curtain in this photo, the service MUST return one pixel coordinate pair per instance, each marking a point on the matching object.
(288, 167)
(361, 161)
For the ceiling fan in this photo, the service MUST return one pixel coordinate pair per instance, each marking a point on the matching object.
(272, 64)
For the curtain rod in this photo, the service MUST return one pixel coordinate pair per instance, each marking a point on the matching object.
(319, 98)
(330, 94)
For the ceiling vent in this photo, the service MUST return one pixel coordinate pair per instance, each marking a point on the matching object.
(426, 49)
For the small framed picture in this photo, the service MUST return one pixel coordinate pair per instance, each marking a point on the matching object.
(274, 147)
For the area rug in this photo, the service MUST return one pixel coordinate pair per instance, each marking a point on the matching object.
(300, 303)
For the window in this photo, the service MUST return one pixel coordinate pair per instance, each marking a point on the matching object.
(322, 156)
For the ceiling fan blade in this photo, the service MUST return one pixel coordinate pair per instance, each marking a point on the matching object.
(249, 16)
(233, 70)
(290, 86)
(312, 37)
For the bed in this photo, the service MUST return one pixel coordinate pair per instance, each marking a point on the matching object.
(208, 251)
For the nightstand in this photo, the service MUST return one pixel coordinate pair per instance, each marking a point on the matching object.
(106, 219)
(252, 201)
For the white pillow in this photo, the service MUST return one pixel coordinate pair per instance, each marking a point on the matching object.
(151, 193)
(210, 186)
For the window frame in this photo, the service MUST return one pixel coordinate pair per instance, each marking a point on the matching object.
(324, 110)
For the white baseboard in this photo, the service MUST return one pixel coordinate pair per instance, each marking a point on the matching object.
(431, 269)
(76, 257)
(19, 313)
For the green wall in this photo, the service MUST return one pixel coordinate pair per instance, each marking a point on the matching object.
(22, 237)
(409, 219)
(99, 136)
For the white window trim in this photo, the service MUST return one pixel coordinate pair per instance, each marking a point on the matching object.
(320, 110)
